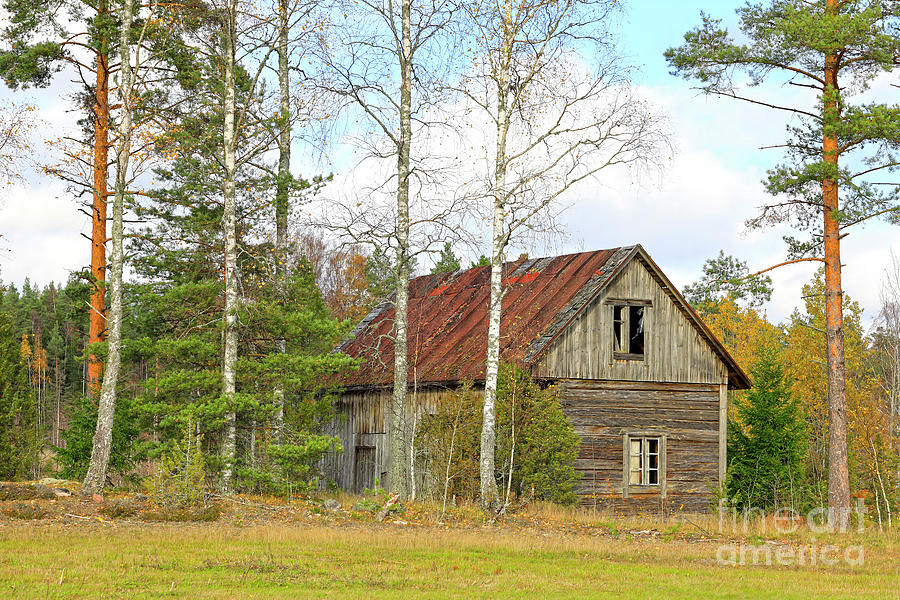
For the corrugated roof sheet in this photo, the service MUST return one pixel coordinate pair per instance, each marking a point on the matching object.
(448, 317)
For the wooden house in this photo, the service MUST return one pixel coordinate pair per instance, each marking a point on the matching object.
(643, 381)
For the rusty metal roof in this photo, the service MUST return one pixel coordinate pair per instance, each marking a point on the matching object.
(448, 317)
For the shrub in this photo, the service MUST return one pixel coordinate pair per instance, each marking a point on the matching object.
(25, 491)
(289, 467)
(536, 446)
(75, 456)
(178, 477)
(24, 510)
(115, 509)
(206, 513)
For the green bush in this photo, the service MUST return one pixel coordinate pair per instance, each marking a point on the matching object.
(75, 456)
(178, 477)
(287, 468)
(536, 446)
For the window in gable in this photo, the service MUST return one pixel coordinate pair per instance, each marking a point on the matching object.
(628, 330)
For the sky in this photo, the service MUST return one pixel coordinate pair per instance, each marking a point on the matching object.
(698, 205)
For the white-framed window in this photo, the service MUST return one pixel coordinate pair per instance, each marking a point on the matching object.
(644, 462)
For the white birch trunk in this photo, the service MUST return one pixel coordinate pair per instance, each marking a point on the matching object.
(229, 223)
(281, 199)
(489, 491)
(400, 483)
(95, 480)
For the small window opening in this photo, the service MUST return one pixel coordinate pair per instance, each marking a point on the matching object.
(628, 330)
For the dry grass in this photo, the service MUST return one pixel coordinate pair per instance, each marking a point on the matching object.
(277, 561)
(267, 548)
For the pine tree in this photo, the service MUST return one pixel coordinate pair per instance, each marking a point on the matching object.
(766, 445)
(19, 439)
(448, 262)
(840, 153)
(726, 277)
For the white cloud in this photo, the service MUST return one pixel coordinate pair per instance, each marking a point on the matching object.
(41, 228)
(711, 187)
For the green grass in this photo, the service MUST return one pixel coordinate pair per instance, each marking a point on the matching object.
(128, 560)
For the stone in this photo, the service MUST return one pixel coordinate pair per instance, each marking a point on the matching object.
(331, 505)
(61, 492)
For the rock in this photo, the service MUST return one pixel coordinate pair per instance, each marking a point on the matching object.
(97, 498)
(140, 498)
(331, 505)
(62, 492)
(386, 509)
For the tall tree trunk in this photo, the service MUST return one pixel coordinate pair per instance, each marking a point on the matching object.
(281, 195)
(98, 327)
(838, 471)
(400, 483)
(95, 479)
(229, 222)
(490, 497)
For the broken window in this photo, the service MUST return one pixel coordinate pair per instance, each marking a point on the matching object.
(643, 461)
(628, 330)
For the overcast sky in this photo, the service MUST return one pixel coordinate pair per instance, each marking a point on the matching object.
(697, 207)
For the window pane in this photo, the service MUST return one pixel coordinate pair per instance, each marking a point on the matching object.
(653, 477)
(617, 329)
(636, 461)
(636, 329)
(636, 447)
(652, 446)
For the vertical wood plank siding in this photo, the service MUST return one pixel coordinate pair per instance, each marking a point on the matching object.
(674, 351)
(363, 419)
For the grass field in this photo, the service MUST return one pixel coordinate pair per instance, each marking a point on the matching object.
(262, 548)
(295, 561)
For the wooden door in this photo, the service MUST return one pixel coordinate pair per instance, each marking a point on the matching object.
(364, 469)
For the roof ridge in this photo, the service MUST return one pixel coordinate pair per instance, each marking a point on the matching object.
(580, 300)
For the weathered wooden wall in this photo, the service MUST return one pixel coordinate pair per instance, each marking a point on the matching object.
(674, 350)
(602, 412)
(364, 420)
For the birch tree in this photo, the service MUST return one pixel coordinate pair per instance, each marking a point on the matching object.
(95, 479)
(842, 151)
(229, 225)
(560, 109)
(886, 342)
(248, 41)
(380, 62)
